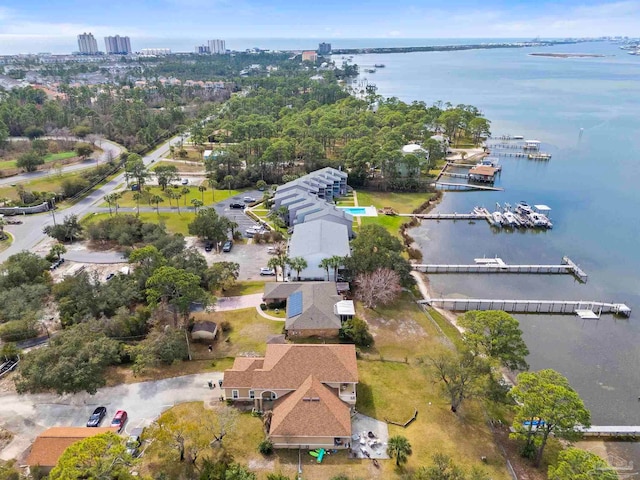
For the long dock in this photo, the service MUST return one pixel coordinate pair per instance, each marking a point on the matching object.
(444, 216)
(498, 266)
(620, 431)
(530, 156)
(580, 307)
(466, 186)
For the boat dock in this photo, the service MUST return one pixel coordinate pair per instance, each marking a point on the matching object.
(465, 186)
(619, 431)
(530, 156)
(497, 265)
(444, 216)
(584, 309)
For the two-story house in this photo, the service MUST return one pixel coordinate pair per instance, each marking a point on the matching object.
(306, 392)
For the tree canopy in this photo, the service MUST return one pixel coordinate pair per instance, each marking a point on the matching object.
(577, 464)
(546, 404)
(496, 334)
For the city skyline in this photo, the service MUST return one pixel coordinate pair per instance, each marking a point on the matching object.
(31, 26)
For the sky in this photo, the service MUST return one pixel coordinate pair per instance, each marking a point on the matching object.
(30, 26)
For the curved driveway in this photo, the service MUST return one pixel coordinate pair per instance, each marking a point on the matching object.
(26, 416)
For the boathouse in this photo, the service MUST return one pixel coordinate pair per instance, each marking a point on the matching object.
(483, 173)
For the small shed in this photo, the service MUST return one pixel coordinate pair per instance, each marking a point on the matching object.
(204, 330)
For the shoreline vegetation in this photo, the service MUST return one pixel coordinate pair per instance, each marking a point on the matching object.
(450, 48)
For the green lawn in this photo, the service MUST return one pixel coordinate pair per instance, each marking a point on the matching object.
(6, 243)
(209, 196)
(175, 223)
(245, 288)
(52, 157)
(401, 202)
(50, 183)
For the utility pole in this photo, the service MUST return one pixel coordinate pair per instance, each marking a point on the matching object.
(186, 336)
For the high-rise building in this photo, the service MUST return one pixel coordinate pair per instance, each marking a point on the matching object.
(324, 48)
(203, 50)
(117, 45)
(309, 56)
(217, 47)
(87, 44)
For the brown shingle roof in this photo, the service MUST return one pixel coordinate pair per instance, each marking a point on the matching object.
(287, 366)
(311, 411)
(51, 443)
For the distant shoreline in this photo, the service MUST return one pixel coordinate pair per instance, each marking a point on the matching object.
(568, 55)
(449, 48)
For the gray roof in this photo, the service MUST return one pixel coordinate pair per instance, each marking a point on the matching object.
(319, 236)
(205, 326)
(333, 211)
(318, 302)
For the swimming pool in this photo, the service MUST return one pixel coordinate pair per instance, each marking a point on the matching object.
(361, 211)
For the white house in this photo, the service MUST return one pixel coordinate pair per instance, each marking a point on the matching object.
(314, 241)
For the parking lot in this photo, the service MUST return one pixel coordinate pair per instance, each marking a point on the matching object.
(235, 214)
(249, 257)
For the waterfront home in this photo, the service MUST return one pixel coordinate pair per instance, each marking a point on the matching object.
(483, 173)
(306, 392)
(313, 309)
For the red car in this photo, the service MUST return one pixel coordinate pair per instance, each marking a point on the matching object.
(119, 419)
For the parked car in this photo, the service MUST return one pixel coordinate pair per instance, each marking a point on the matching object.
(272, 250)
(208, 246)
(56, 264)
(249, 199)
(227, 246)
(185, 181)
(96, 417)
(119, 419)
(267, 271)
(135, 187)
(133, 445)
(236, 205)
(110, 276)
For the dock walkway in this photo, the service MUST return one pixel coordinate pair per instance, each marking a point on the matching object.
(530, 306)
(612, 431)
(497, 265)
(466, 186)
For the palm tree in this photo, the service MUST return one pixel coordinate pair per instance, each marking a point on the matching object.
(116, 197)
(326, 264)
(157, 199)
(197, 204)
(185, 191)
(233, 226)
(399, 447)
(110, 201)
(274, 263)
(298, 264)
(213, 183)
(178, 196)
(202, 189)
(228, 179)
(336, 262)
(137, 196)
(170, 195)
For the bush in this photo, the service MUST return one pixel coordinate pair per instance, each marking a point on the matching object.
(265, 447)
(73, 186)
(18, 330)
(357, 331)
(414, 254)
(225, 326)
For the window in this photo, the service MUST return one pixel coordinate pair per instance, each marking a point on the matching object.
(252, 394)
(273, 396)
(234, 394)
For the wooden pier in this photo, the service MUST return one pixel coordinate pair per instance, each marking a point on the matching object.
(445, 216)
(578, 307)
(530, 156)
(465, 186)
(615, 431)
(496, 265)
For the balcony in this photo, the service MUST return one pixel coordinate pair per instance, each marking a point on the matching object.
(347, 392)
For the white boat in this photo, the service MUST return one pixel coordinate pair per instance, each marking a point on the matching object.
(510, 219)
(497, 219)
(523, 207)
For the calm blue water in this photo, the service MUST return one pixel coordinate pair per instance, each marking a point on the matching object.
(591, 183)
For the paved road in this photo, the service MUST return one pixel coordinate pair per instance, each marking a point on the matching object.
(29, 415)
(29, 234)
(110, 149)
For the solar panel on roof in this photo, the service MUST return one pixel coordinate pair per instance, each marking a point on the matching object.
(294, 304)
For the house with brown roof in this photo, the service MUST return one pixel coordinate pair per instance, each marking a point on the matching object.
(314, 309)
(51, 444)
(306, 391)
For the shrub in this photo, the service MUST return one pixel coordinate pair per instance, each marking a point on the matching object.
(17, 330)
(225, 326)
(265, 447)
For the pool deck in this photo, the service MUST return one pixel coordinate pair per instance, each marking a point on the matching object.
(361, 211)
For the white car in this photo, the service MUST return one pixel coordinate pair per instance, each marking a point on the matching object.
(185, 181)
(249, 199)
(267, 271)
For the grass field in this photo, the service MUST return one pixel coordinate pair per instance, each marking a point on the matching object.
(45, 184)
(6, 243)
(208, 195)
(175, 223)
(52, 157)
(400, 202)
(182, 167)
(245, 288)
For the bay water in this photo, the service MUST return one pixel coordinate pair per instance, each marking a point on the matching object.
(586, 111)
